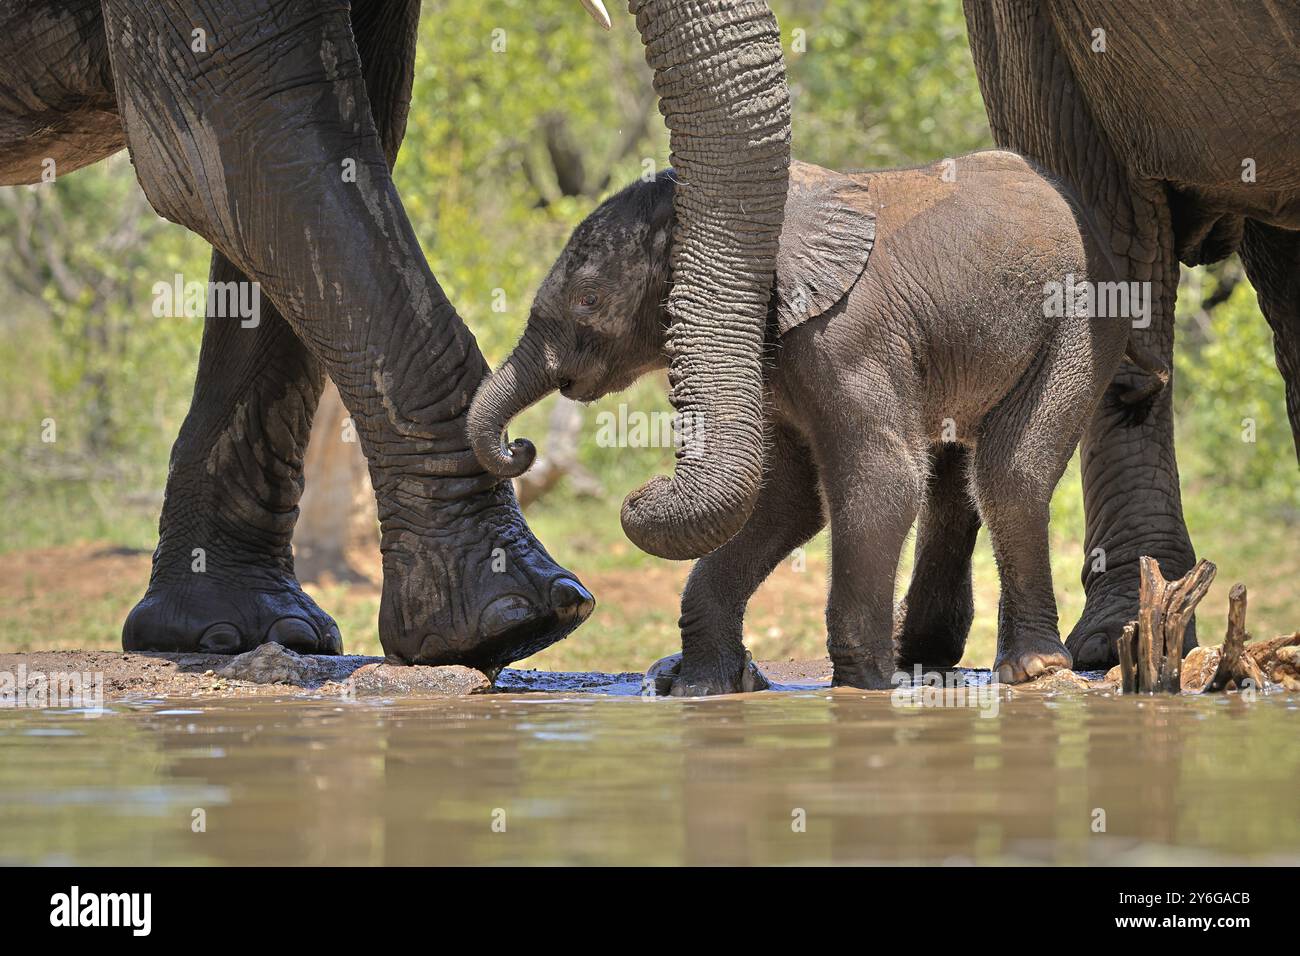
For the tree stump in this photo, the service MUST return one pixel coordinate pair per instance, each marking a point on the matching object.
(1151, 648)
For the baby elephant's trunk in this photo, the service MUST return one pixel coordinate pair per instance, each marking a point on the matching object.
(525, 378)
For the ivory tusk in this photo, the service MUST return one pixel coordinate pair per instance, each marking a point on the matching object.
(598, 12)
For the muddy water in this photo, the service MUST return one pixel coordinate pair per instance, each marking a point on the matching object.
(799, 777)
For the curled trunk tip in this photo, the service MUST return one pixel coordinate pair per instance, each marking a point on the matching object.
(513, 459)
(523, 380)
(655, 521)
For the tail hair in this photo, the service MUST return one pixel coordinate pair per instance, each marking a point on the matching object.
(1136, 403)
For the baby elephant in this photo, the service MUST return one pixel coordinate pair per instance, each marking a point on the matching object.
(919, 363)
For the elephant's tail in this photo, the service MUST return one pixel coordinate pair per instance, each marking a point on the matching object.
(1138, 400)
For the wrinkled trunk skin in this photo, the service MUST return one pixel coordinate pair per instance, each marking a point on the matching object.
(720, 78)
(525, 379)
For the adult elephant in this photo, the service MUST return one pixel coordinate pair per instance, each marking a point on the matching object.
(1178, 125)
(270, 129)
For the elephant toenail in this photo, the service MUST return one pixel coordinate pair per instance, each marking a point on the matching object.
(659, 676)
(571, 601)
(220, 638)
(1094, 651)
(505, 613)
(295, 634)
(333, 643)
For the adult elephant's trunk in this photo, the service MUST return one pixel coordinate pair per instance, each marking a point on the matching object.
(721, 84)
(526, 378)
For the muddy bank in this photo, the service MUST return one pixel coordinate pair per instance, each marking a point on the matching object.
(268, 671)
(273, 671)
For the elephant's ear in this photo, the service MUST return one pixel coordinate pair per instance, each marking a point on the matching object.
(826, 238)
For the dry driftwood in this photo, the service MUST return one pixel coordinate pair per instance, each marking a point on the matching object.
(1151, 648)
(1236, 667)
(1278, 659)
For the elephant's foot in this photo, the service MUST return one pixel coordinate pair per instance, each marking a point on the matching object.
(479, 590)
(931, 637)
(669, 677)
(203, 612)
(862, 672)
(1030, 657)
(1094, 641)
(863, 678)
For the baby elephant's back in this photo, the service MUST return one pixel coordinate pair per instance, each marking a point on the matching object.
(975, 248)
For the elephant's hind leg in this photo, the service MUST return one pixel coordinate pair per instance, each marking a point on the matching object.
(1023, 448)
(936, 614)
(1130, 475)
(223, 578)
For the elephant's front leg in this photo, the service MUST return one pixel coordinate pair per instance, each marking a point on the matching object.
(265, 144)
(1130, 475)
(873, 494)
(223, 578)
(787, 513)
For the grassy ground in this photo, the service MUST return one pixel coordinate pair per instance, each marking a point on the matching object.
(77, 592)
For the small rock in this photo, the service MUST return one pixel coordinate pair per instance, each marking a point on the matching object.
(1113, 676)
(1198, 667)
(1057, 680)
(270, 664)
(399, 681)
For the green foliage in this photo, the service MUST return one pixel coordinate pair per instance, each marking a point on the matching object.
(1230, 402)
(474, 172)
(881, 84)
(86, 362)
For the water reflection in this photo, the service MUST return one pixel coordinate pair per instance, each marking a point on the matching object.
(794, 778)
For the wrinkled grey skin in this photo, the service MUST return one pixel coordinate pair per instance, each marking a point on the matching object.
(926, 380)
(1152, 135)
(245, 144)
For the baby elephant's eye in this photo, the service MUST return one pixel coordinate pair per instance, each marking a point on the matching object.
(587, 300)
